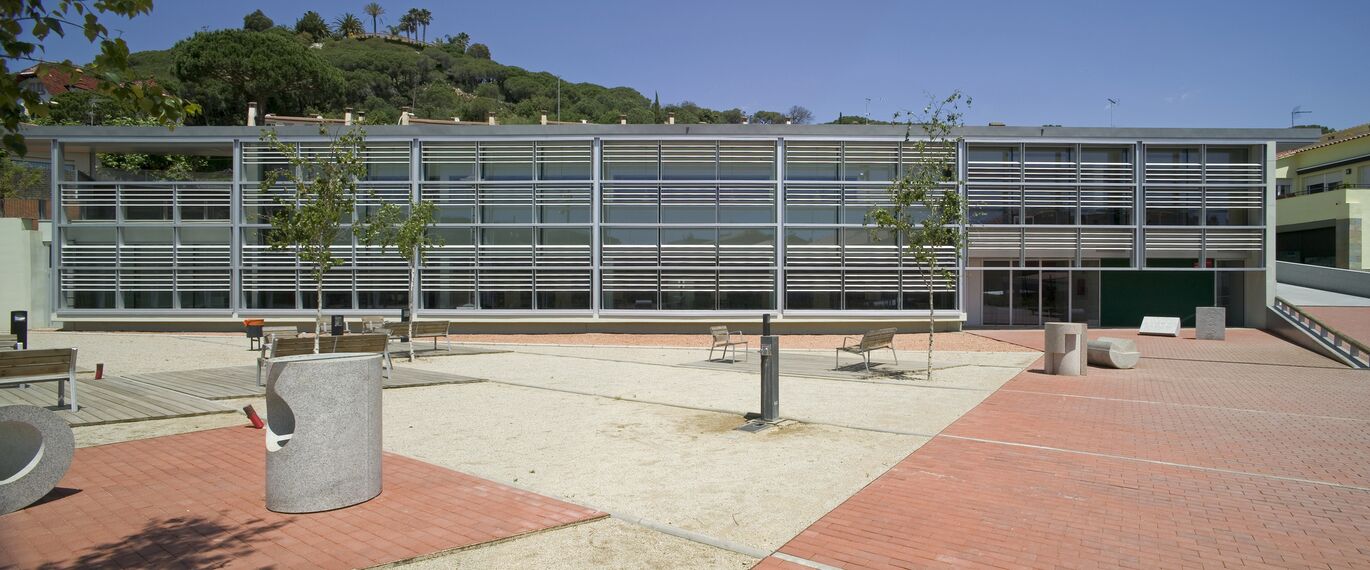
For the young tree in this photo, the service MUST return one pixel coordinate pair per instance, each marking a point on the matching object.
(926, 210)
(257, 22)
(324, 195)
(47, 21)
(375, 11)
(410, 236)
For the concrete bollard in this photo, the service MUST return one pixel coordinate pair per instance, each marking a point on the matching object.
(1065, 349)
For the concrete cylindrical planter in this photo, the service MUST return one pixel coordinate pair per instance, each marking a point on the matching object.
(323, 436)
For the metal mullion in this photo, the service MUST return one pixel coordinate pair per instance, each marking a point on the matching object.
(596, 243)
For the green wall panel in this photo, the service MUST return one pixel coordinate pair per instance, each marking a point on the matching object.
(1130, 295)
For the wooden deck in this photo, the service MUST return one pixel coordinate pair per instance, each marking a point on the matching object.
(113, 400)
(241, 381)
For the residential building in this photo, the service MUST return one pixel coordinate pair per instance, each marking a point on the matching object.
(1323, 191)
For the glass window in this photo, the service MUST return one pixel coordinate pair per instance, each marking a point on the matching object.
(1172, 216)
(730, 214)
(506, 214)
(454, 236)
(643, 169)
(630, 214)
(993, 154)
(872, 300)
(564, 300)
(564, 161)
(563, 214)
(1049, 154)
(1233, 216)
(747, 170)
(449, 171)
(692, 170)
(810, 236)
(1053, 215)
(688, 214)
(813, 300)
(456, 215)
(564, 236)
(387, 171)
(1229, 155)
(448, 300)
(1104, 154)
(506, 161)
(506, 236)
(811, 171)
(630, 236)
(685, 300)
(638, 300)
(994, 215)
(689, 236)
(811, 214)
(746, 236)
(746, 300)
(1172, 155)
(1105, 216)
(506, 300)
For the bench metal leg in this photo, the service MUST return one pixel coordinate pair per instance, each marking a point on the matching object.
(896, 356)
(747, 347)
(867, 358)
(74, 406)
(711, 354)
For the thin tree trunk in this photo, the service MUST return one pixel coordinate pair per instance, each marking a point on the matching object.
(318, 313)
(931, 322)
(413, 308)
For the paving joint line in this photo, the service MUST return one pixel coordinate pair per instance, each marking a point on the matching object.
(1160, 462)
(1200, 406)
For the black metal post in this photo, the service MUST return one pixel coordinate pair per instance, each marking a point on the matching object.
(19, 327)
(770, 372)
(339, 325)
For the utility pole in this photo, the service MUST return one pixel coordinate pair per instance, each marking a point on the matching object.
(558, 98)
(1111, 104)
(868, 110)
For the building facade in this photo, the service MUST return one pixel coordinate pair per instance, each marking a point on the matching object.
(611, 226)
(1322, 193)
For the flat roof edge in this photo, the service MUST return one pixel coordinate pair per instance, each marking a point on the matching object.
(584, 130)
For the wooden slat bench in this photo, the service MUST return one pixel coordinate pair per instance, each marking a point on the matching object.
(46, 365)
(870, 342)
(366, 343)
(422, 329)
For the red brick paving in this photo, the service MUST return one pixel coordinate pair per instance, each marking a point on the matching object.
(1249, 346)
(197, 500)
(1351, 321)
(964, 503)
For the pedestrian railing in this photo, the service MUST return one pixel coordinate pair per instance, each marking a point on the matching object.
(1352, 350)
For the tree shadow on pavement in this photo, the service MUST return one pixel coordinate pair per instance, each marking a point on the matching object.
(181, 542)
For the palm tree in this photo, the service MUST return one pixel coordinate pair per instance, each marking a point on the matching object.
(374, 10)
(349, 26)
(423, 17)
(407, 24)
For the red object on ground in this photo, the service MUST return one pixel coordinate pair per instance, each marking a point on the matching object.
(99, 370)
(252, 415)
(253, 322)
(195, 500)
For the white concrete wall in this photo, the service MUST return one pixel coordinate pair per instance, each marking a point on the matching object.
(25, 273)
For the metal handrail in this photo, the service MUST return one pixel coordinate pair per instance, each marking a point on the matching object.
(1355, 351)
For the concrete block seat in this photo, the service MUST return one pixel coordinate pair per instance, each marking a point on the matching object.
(36, 448)
(1109, 352)
(323, 436)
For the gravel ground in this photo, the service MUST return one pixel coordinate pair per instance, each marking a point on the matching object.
(626, 430)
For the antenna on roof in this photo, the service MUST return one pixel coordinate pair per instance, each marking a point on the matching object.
(1294, 115)
(1111, 104)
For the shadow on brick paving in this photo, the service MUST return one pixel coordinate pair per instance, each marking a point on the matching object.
(186, 542)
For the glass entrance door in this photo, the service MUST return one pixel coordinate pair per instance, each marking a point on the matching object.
(1040, 293)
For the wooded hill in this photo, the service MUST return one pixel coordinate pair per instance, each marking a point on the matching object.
(308, 72)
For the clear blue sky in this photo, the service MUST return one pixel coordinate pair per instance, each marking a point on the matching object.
(1169, 63)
